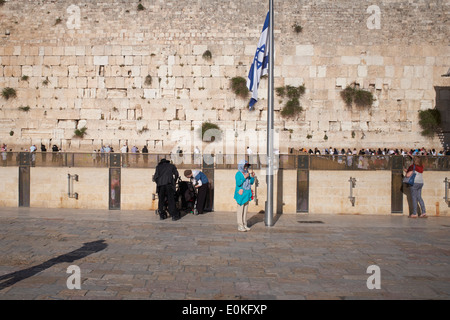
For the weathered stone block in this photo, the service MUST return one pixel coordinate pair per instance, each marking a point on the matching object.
(90, 114)
(101, 60)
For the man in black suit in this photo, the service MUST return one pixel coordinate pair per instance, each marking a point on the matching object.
(166, 175)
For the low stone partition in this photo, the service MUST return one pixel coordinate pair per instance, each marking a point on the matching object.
(49, 188)
(138, 189)
(9, 187)
(299, 187)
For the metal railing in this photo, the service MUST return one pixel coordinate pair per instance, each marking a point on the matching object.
(219, 161)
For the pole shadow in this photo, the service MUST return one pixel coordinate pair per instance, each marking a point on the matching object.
(260, 218)
(88, 248)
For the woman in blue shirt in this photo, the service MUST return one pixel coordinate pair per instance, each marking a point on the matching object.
(243, 193)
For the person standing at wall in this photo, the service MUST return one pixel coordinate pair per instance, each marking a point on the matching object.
(124, 151)
(166, 175)
(33, 155)
(44, 153)
(4, 154)
(243, 193)
(416, 188)
(201, 183)
(145, 153)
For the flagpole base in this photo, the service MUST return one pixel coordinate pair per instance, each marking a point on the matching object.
(268, 217)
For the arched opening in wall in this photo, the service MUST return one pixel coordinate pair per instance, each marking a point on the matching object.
(443, 105)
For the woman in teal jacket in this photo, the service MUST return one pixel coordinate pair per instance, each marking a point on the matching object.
(243, 193)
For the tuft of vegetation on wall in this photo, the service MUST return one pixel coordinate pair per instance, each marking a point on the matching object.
(239, 87)
(210, 132)
(430, 122)
(9, 93)
(80, 133)
(292, 107)
(352, 94)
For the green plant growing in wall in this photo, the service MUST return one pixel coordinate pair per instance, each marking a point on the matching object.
(210, 132)
(239, 87)
(140, 7)
(9, 93)
(25, 109)
(297, 28)
(281, 91)
(292, 107)
(144, 129)
(80, 133)
(207, 55)
(430, 122)
(352, 94)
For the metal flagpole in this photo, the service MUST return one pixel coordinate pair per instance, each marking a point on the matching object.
(268, 219)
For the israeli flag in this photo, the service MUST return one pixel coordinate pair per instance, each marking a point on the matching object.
(260, 65)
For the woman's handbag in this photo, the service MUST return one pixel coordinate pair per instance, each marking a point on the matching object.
(410, 181)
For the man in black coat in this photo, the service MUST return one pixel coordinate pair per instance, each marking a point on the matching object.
(166, 175)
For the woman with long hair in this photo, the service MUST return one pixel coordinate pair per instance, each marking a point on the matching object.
(416, 188)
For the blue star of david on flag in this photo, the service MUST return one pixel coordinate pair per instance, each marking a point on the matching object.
(260, 65)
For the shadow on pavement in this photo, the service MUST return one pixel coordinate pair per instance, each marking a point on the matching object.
(259, 218)
(87, 249)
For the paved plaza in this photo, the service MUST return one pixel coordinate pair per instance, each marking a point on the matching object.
(134, 255)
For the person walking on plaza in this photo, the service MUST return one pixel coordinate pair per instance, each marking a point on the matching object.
(166, 175)
(201, 183)
(243, 193)
(416, 188)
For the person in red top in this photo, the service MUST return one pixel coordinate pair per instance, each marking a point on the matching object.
(416, 189)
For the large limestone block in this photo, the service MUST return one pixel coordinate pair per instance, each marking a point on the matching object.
(90, 114)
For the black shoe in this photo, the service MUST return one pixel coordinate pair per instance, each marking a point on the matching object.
(162, 217)
(175, 218)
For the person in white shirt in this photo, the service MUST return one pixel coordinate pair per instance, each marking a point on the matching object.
(124, 150)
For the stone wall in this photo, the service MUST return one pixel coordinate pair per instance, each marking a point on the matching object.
(9, 188)
(328, 191)
(49, 188)
(85, 64)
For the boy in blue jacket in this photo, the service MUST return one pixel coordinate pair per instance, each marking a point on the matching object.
(243, 193)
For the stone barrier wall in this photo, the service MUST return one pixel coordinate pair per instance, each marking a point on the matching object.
(328, 191)
(9, 188)
(49, 188)
(135, 76)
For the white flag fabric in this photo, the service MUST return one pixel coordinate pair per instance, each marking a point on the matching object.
(260, 65)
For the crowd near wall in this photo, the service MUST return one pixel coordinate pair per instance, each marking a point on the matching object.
(134, 72)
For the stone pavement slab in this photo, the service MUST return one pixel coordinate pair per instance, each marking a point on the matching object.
(134, 255)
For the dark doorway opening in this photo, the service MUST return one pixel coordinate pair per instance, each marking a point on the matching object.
(443, 105)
